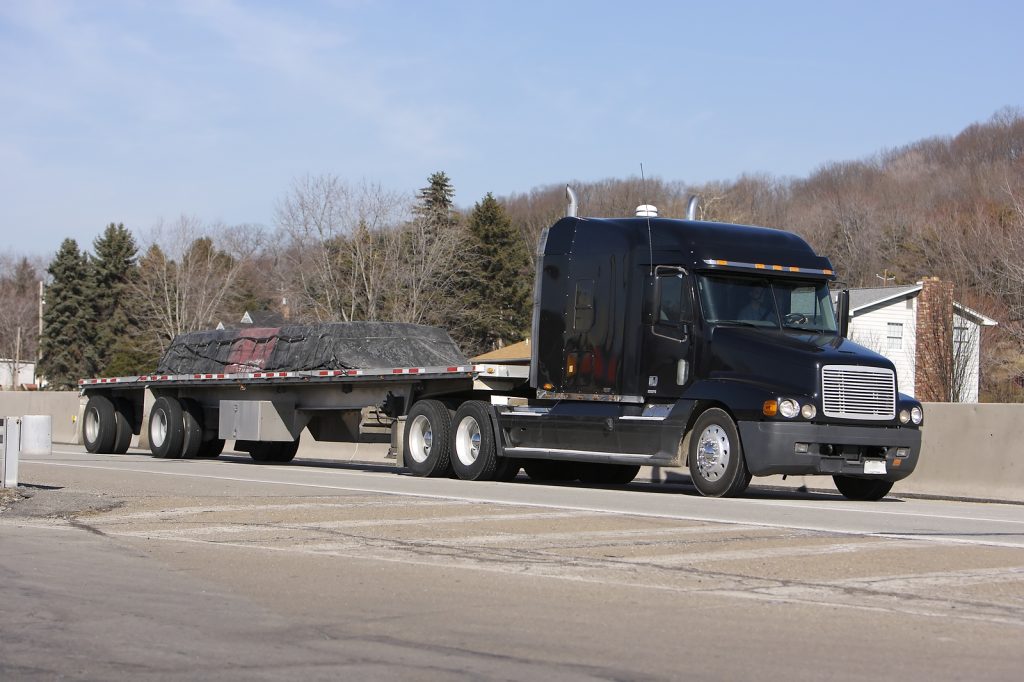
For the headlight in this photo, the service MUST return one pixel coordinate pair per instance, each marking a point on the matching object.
(789, 408)
(917, 415)
(904, 416)
(808, 411)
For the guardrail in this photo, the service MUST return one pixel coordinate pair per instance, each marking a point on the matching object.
(968, 451)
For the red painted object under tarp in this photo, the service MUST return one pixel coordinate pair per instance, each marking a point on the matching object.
(292, 348)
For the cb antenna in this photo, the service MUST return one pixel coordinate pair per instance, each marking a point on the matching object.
(647, 213)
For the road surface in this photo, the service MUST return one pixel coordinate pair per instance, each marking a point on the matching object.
(129, 567)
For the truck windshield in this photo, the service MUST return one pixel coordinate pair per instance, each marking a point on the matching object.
(766, 302)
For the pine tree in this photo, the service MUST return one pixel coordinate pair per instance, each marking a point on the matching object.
(435, 201)
(67, 319)
(498, 284)
(113, 270)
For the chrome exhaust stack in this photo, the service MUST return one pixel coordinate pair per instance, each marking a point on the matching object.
(571, 209)
(691, 207)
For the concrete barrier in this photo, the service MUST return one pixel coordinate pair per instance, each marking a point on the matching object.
(969, 451)
(62, 406)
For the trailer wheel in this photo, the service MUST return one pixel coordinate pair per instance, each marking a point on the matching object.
(166, 428)
(211, 448)
(608, 474)
(274, 452)
(862, 489)
(427, 445)
(474, 454)
(551, 470)
(192, 424)
(717, 466)
(122, 426)
(99, 427)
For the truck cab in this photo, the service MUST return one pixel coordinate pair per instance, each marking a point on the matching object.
(707, 345)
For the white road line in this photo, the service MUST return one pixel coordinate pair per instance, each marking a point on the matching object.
(706, 518)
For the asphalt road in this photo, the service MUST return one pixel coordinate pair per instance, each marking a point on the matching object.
(128, 567)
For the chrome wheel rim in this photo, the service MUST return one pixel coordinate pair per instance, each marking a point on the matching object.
(158, 428)
(713, 450)
(467, 441)
(421, 439)
(92, 425)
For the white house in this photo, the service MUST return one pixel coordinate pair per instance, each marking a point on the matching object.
(16, 373)
(897, 322)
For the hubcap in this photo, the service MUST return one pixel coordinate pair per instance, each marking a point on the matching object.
(713, 453)
(158, 428)
(467, 441)
(421, 438)
(92, 425)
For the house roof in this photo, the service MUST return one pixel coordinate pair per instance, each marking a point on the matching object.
(861, 300)
(872, 296)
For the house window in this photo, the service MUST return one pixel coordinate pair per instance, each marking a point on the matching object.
(894, 336)
(961, 339)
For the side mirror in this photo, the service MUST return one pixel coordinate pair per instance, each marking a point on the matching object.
(843, 312)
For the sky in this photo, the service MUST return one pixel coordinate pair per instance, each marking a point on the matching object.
(136, 112)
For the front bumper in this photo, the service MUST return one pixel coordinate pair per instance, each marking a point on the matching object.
(771, 448)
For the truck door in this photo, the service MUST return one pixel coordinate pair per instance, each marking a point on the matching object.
(668, 316)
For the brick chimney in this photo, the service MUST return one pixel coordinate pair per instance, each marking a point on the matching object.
(934, 341)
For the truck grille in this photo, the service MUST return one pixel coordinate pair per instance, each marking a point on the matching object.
(855, 392)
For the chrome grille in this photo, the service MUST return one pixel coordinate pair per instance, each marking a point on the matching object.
(856, 392)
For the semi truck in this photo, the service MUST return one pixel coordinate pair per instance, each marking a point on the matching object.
(718, 348)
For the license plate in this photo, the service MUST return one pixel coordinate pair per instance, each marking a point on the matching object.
(874, 467)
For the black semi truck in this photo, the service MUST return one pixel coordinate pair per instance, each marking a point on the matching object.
(657, 342)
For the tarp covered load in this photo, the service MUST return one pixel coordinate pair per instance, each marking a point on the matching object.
(290, 348)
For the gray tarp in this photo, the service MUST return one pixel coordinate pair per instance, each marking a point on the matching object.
(336, 345)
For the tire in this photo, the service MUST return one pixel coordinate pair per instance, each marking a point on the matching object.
(192, 423)
(862, 489)
(166, 428)
(474, 453)
(608, 474)
(274, 452)
(99, 425)
(427, 439)
(211, 448)
(122, 426)
(717, 466)
(551, 470)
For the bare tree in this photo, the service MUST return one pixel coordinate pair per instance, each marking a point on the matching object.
(341, 246)
(187, 274)
(19, 313)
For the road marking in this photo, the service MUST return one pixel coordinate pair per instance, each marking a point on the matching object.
(718, 504)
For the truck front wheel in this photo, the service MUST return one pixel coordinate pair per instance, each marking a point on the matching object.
(717, 466)
(862, 489)
(427, 439)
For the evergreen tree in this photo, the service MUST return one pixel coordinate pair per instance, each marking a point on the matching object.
(67, 319)
(113, 270)
(435, 201)
(498, 282)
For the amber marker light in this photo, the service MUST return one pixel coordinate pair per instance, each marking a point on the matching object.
(770, 408)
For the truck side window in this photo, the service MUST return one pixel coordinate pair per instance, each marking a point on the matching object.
(584, 313)
(673, 303)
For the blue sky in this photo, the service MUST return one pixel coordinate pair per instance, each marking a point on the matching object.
(132, 111)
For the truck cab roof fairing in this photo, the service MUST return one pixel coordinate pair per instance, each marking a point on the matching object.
(693, 244)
